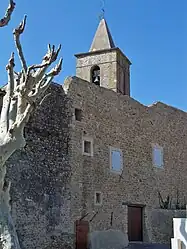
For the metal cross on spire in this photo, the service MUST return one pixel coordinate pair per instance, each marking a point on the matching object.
(102, 15)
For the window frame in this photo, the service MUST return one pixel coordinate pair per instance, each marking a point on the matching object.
(101, 196)
(111, 168)
(156, 146)
(88, 139)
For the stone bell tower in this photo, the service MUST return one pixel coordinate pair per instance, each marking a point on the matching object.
(105, 64)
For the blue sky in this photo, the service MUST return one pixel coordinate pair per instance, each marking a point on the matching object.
(152, 34)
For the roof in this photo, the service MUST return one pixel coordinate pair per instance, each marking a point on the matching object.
(102, 39)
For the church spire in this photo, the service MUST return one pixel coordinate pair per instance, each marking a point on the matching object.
(102, 39)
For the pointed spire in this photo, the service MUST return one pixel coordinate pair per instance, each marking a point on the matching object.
(102, 38)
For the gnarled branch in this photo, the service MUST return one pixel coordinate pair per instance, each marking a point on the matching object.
(5, 20)
(25, 89)
(4, 120)
(17, 32)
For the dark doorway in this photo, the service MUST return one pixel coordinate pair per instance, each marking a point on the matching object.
(82, 230)
(135, 223)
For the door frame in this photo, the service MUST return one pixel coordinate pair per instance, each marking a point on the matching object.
(142, 206)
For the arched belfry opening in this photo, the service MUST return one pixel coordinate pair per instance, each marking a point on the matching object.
(95, 75)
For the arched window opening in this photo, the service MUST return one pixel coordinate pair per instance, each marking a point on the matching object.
(95, 75)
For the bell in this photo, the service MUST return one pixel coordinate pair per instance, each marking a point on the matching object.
(96, 80)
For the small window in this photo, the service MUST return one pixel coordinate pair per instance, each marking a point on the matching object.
(98, 198)
(116, 160)
(95, 75)
(158, 156)
(87, 145)
(78, 114)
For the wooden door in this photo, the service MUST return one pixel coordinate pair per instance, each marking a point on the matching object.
(135, 223)
(82, 230)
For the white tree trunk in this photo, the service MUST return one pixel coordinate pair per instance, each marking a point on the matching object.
(8, 235)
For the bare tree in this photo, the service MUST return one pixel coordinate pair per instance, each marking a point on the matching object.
(23, 92)
(5, 20)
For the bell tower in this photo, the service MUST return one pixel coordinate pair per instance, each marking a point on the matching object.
(105, 64)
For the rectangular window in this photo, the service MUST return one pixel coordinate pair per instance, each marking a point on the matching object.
(87, 146)
(78, 114)
(98, 198)
(158, 156)
(116, 160)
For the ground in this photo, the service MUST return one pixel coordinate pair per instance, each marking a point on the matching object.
(147, 246)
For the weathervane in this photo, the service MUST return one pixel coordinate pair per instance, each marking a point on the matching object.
(102, 15)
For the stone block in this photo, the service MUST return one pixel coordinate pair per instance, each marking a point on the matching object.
(109, 239)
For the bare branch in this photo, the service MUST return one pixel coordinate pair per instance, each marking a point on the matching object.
(34, 79)
(27, 100)
(25, 89)
(7, 98)
(48, 59)
(17, 32)
(42, 85)
(52, 55)
(14, 101)
(54, 71)
(44, 98)
(38, 66)
(5, 20)
(11, 86)
(10, 69)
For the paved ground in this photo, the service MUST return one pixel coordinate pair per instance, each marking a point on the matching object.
(147, 246)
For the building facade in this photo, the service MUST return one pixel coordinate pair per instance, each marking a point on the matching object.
(95, 154)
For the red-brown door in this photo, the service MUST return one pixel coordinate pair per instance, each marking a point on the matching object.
(135, 223)
(82, 230)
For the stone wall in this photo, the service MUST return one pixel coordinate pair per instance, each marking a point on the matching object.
(40, 176)
(159, 224)
(43, 208)
(123, 74)
(112, 119)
